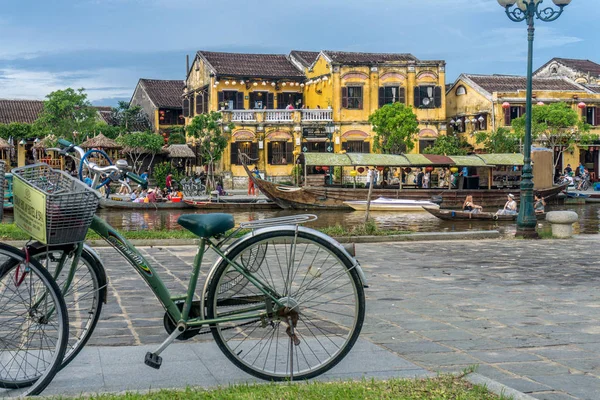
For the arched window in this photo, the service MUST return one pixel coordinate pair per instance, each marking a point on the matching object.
(461, 91)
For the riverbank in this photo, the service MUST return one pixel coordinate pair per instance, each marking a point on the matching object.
(13, 235)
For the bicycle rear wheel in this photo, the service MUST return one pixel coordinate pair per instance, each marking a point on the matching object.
(323, 314)
(33, 325)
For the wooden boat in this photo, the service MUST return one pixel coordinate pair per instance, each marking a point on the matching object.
(327, 197)
(212, 205)
(458, 215)
(130, 205)
(385, 204)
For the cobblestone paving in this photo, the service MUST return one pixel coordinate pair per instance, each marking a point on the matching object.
(526, 312)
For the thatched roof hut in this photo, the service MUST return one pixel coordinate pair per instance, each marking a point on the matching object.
(4, 144)
(180, 151)
(100, 142)
(48, 141)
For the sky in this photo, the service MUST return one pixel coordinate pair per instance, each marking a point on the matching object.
(105, 46)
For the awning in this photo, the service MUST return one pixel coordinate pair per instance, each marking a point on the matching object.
(502, 159)
(418, 160)
(469, 161)
(379, 160)
(331, 159)
(439, 160)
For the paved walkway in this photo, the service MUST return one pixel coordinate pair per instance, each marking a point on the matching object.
(526, 312)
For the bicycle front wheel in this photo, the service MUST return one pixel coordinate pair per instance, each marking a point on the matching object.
(321, 306)
(33, 325)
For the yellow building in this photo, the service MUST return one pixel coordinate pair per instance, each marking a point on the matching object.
(488, 102)
(310, 101)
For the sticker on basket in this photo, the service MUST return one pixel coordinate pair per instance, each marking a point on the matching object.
(128, 253)
(30, 210)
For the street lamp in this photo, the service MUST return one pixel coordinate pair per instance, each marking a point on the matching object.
(330, 129)
(519, 11)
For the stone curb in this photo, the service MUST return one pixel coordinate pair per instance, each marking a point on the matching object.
(426, 236)
(497, 387)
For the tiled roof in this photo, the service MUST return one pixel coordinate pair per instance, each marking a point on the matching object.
(585, 66)
(511, 83)
(163, 93)
(344, 57)
(272, 66)
(593, 88)
(306, 58)
(24, 111)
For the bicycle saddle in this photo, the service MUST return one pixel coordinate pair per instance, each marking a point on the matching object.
(206, 225)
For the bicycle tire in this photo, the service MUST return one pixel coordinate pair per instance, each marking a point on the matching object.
(226, 289)
(47, 309)
(82, 319)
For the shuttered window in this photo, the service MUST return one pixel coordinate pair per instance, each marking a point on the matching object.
(391, 94)
(280, 153)
(284, 99)
(428, 96)
(248, 148)
(356, 146)
(591, 116)
(186, 107)
(231, 100)
(352, 97)
(202, 102)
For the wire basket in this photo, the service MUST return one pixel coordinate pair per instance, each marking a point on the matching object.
(52, 206)
(2, 167)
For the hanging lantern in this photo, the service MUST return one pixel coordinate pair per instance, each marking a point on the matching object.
(242, 82)
(216, 83)
(273, 84)
(360, 170)
(283, 84)
(227, 82)
(301, 85)
(505, 105)
(296, 83)
(264, 83)
(407, 170)
(581, 105)
(233, 82)
(454, 170)
(255, 84)
(353, 173)
(317, 168)
(325, 78)
(325, 169)
(428, 169)
(380, 169)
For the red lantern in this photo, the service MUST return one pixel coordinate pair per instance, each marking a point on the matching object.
(581, 105)
(505, 105)
(380, 169)
(325, 169)
(317, 168)
(428, 169)
(407, 170)
(360, 170)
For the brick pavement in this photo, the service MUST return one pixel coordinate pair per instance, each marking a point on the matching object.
(525, 312)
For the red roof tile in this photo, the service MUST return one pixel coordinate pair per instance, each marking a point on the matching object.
(511, 83)
(164, 93)
(273, 66)
(585, 66)
(306, 58)
(24, 111)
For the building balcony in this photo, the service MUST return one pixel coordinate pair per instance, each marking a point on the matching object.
(277, 116)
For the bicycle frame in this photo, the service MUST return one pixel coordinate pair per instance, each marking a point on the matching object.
(148, 273)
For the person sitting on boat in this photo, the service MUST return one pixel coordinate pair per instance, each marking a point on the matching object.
(471, 207)
(510, 207)
(151, 198)
(539, 204)
(134, 195)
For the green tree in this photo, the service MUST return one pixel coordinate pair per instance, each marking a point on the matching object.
(130, 118)
(176, 138)
(207, 128)
(449, 145)
(17, 130)
(65, 112)
(501, 140)
(556, 126)
(395, 127)
(139, 146)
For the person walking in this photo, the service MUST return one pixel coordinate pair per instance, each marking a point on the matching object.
(251, 188)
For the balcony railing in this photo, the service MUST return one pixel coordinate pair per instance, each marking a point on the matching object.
(317, 115)
(279, 115)
(243, 116)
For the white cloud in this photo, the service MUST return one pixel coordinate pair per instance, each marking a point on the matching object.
(99, 84)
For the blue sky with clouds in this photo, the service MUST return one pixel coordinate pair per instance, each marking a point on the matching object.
(105, 46)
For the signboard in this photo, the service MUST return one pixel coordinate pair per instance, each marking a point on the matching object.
(314, 132)
(30, 210)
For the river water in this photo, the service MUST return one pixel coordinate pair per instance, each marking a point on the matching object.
(589, 222)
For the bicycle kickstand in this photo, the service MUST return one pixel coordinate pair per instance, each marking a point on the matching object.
(154, 359)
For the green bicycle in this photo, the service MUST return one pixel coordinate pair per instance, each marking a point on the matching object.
(283, 302)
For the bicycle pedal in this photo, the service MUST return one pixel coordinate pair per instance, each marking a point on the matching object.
(153, 360)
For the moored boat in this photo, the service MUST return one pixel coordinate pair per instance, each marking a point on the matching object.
(385, 204)
(458, 215)
(213, 205)
(130, 205)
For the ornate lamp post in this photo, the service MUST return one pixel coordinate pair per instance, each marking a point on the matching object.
(330, 129)
(528, 11)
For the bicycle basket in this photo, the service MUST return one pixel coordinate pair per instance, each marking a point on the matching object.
(51, 206)
(1, 190)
